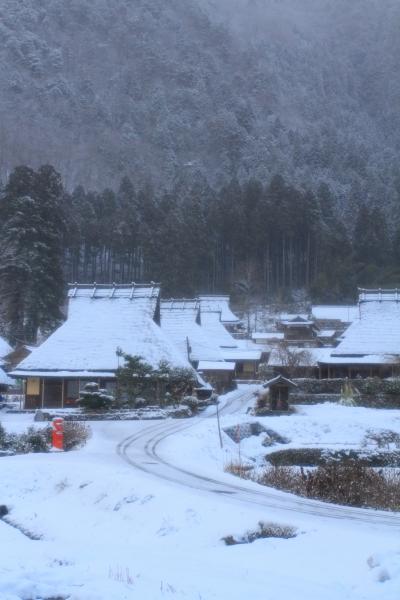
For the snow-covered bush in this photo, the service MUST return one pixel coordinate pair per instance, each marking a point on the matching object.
(92, 397)
(264, 530)
(382, 438)
(33, 440)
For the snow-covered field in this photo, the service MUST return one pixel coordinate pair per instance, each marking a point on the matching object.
(110, 531)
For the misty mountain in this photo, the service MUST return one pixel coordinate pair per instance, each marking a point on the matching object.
(220, 88)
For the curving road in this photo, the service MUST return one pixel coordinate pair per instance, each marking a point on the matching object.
(142, 451)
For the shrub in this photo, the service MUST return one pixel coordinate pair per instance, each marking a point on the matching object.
(76, 434)
(33, 440)
(350, 484)
(264, 530)
(310, 457)
(94, 398)
(383, 438)
(238, 468)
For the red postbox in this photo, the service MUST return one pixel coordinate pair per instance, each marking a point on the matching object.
(58, 433)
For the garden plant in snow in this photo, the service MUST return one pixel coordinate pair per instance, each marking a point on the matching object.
(347, 395)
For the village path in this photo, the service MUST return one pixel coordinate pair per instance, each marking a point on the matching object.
(144, 451)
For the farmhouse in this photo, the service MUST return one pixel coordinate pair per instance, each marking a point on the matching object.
(298, 329)
(101, 319)
(371, 345)
(244, 353)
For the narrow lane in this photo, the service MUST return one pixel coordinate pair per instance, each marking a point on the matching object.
(142, 451)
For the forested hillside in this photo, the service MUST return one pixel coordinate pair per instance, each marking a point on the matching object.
(258, 242)
(223, 88)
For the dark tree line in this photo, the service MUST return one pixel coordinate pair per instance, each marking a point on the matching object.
(268, 239)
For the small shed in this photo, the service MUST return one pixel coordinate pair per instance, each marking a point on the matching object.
(279, 392)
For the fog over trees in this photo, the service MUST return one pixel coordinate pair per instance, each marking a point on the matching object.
(211, 145)
(227, 88)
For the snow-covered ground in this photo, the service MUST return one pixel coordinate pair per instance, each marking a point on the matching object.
(110, 531)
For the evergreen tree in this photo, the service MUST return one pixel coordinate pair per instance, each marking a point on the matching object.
(31, 245)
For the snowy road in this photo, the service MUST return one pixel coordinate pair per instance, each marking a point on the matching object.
(144, 451)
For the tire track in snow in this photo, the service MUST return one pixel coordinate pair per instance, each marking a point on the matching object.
(145, 444)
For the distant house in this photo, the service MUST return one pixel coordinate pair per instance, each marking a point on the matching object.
(371, 344)
(298, 329)
(244, 353)
(197, 329)
(101, 319)
(180, 320)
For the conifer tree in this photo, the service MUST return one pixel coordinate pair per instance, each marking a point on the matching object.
(31, 245)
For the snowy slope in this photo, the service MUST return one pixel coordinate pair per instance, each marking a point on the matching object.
(112, 532)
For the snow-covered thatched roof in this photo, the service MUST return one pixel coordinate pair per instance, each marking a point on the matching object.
(179, 322)
(376, 332)
(100, 322)
(218, 304)
(207, 365)
(344, 314)
(212, 324)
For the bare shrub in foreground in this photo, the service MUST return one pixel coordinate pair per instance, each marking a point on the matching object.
(239, 468)
(350, 484)
(76, 434)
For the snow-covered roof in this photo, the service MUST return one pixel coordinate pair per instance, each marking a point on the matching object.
(221, 304)
(211, 323)
(5, 347)
(345, 314)
(298, 322)
(278, 379)
(145, 295)
(377, 331)
(381, 295)
(241, 354)
(208, 365)
(4, 379)
(366, 359)
(267, 335)
(292, 317)
(178, 321)
(96, 327)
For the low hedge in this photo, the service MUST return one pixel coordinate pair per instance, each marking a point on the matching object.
(313, 457)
